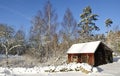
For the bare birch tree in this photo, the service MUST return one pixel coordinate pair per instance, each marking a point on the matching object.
(69, 27)
(50, 20)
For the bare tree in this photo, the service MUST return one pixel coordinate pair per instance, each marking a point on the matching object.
(50, 20)
(37, 35)
(8, 49)
(69, 28)
(43, 31)
(20, 39)
(7, 40)
(69, 24)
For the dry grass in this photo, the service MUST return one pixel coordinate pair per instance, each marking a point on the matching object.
(19, 61)
(29, 61)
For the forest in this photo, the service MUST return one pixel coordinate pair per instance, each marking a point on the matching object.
(49, 38)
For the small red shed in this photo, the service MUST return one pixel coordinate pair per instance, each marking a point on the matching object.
(94, 53)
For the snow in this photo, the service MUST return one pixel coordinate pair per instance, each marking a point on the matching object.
(118, 60)
(72, 69)
(89, 47)
(36, 70)
(94, 69)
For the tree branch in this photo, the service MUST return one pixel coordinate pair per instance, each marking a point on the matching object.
(14, 47)
(6, 51)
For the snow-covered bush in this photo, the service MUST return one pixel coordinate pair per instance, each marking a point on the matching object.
(69, 67)
(62, 68)
(86, 66)
(46, 69)
(83, 67)
(72, 66)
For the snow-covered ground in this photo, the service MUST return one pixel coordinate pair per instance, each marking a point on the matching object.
(73, 69)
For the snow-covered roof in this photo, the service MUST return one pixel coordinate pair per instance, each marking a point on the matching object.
(89, 47)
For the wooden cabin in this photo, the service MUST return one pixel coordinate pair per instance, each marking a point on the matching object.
(94, 53)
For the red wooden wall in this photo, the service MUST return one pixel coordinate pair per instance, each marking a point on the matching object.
(90, 58)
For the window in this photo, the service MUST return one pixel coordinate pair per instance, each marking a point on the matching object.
(84, 58)
(74, 58)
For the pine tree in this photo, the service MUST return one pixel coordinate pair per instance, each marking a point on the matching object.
(87, 23)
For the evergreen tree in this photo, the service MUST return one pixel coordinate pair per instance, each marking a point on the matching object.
(108, 23)
(87, 23)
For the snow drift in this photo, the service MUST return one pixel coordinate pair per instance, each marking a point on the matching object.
(83, 67)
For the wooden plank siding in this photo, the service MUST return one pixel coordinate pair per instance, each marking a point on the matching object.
(98, 55)
(89, 58)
